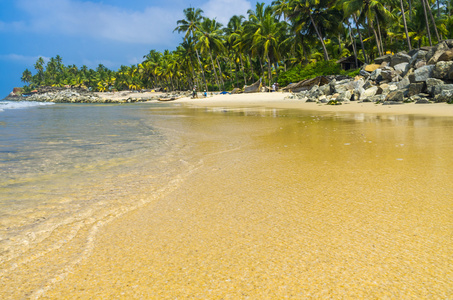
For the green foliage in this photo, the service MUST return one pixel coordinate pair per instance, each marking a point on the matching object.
(311, 70)
(333, 102)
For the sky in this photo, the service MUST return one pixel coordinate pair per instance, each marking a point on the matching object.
(109, 32)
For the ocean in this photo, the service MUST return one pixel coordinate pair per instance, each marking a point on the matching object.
(62, 166)
(158, 200)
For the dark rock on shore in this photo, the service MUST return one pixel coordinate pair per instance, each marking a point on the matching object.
(423, 75)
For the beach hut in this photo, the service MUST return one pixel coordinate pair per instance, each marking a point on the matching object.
(349, 62)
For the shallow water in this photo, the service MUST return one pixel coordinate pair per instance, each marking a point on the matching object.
(233, 203)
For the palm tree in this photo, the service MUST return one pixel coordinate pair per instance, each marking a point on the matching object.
(26, 76)
(189, 25)
(301, 8)
(267, 37)
(405, 25)
(209, 38)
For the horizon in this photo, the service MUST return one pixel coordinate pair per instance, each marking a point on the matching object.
(93, 32)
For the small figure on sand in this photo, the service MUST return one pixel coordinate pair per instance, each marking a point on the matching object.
(205, 94)
(194, 92)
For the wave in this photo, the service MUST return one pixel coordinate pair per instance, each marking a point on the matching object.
(21, 104)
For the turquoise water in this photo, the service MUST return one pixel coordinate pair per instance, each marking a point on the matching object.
(62, 166)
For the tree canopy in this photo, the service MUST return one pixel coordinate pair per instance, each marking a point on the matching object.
(272, 43)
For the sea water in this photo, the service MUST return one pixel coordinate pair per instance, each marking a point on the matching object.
(148, 199)
(63, 166)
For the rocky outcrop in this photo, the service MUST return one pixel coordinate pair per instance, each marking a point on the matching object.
(422, 75)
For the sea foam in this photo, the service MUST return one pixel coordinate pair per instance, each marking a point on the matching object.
(21, 104)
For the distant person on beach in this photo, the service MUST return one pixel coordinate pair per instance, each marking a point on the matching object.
(194, 92)
(205, 94)
(273, 87)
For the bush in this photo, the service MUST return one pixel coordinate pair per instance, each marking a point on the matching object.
(312, 70)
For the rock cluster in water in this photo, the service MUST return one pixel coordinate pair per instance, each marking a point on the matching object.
(422, 75)
(81, 95)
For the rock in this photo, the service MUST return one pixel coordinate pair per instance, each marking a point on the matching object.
(368, 93)
(322, 99)
(402, 68)
(399, 58)
(416, 88)
(375, 75)
(431, 83)
(395, 96)
(388, 74)
(447, 55)
(449, 43)
(437, 90)
(344, 97)
(417, 56)
(327, 89)
(423, 73)
(444, 96)
(404, 83)
(379, 60)
(435, 58)
(364, 73)
(443, 70)
(376, 98)
(442, 46)
(371, 67)
(420, 63)
(422, 101)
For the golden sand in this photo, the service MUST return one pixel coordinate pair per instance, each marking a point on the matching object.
(282, 204)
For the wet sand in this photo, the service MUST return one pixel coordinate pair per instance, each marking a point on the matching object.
(280, 100)
(278, 204)
(288, 207)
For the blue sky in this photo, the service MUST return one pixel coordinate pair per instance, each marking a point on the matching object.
(111, 32)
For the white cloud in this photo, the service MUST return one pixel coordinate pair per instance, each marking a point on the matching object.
(100, 21)
(29, 60)
(223, 10)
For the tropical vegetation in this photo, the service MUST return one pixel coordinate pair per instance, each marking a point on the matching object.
(283, 42)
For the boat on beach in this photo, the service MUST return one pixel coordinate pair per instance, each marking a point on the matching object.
(168, 98)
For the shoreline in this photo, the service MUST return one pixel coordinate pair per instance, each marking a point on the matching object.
(277, 100)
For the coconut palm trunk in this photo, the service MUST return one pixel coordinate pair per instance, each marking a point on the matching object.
(427, 23)
(214, 69)
(326, 55)
(360, 37)
(353, 47)
(405, 25)
(432, 19)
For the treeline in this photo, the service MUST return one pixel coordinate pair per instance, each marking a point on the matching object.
(273, 43)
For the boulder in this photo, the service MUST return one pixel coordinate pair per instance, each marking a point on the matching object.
(435, 58)
(419, 63)
(444, 96)
(447, 55)
(402, 68)
(449, 43)
(395, 96)
(437, 90)
(417, 55)
(376, 75)
(404, 83)
(443, 70)
(364, 73)
(379, 60)
(368, 93)
(423, 73)
(372, 67)
(416, 88)
(431, 83)
(344, 97)
(399, 58)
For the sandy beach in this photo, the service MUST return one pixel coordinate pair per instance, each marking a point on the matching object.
(279, 100)
(279, 199)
